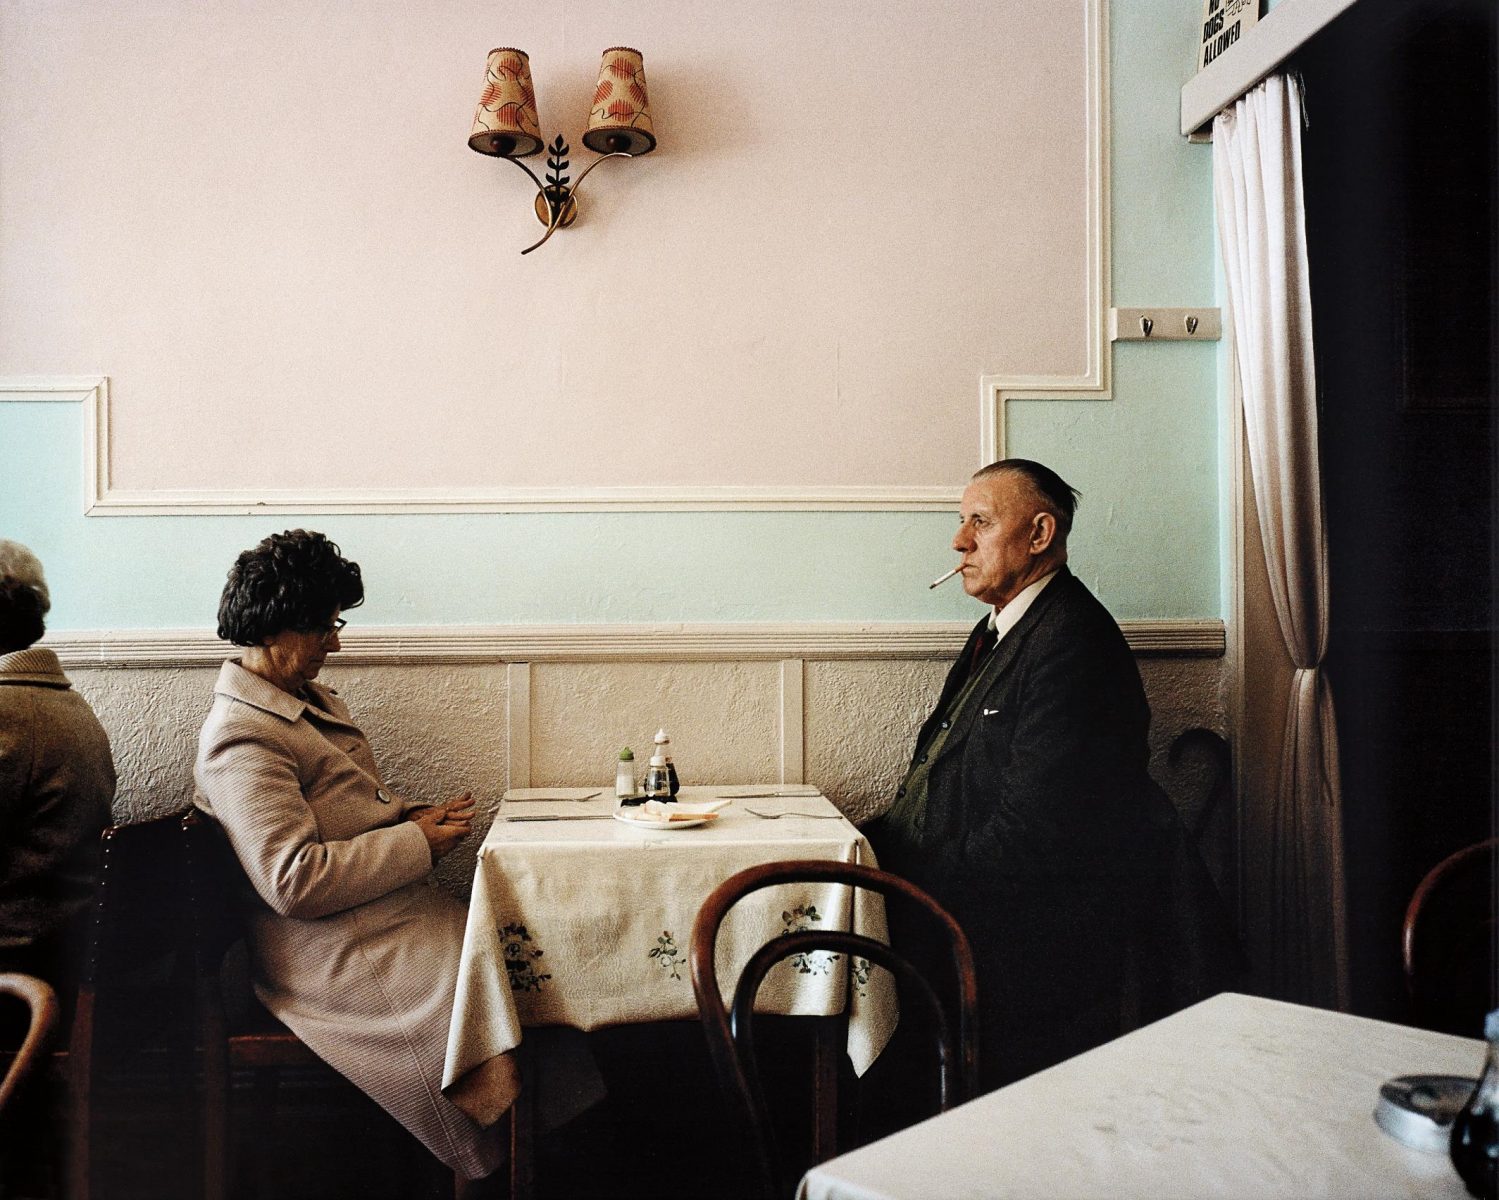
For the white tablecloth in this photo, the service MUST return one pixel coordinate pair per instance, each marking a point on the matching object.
(586, 923)
(1234, 1097)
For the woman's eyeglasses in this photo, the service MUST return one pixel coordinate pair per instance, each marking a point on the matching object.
(335, 627)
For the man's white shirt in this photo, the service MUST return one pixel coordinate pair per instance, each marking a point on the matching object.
(1002, 620)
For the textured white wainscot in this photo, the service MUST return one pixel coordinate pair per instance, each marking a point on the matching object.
(723, 719)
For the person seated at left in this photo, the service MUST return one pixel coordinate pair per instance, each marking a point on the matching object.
(57, 782)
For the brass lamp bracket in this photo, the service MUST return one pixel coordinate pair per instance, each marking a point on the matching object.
(556, 203)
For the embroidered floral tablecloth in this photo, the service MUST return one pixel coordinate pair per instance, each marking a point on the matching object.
(586, 923)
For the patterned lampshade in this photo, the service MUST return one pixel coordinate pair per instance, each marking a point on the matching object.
(620, 118)
(505, 123)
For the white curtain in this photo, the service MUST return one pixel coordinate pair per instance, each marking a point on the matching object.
(1262, 235)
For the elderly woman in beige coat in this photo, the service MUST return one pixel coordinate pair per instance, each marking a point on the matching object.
(353, 946)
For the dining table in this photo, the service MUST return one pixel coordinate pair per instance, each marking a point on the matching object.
(580, 920)
(1235, 1097)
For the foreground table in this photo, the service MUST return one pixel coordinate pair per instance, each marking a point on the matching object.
(1234, 1097)
(584, 922)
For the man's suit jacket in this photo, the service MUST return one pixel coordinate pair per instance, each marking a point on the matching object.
(1037, 830)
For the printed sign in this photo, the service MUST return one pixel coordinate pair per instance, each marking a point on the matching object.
(1224, 22)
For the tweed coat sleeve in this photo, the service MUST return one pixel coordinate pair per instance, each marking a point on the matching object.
(256, 785)
(57, 776)
(17, 734)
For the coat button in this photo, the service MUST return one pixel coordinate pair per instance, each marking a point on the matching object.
(899, 792)
(921, 758)
(381, 796)
(946, 724)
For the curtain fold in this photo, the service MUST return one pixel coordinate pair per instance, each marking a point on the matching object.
(1262, 238)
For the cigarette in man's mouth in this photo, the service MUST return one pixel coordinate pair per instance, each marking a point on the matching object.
(946, 577)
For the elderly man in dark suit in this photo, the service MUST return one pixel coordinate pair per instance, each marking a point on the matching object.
(1028, 810)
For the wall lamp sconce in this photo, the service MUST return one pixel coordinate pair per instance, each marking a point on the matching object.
(506, 126)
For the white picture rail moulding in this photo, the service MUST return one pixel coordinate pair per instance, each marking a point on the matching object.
(103, 499)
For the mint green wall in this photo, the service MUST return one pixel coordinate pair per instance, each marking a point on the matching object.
(1147, 536)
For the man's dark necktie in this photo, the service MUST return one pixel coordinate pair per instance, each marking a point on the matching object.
(986, 642)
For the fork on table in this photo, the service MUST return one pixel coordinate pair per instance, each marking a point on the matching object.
(776, 816)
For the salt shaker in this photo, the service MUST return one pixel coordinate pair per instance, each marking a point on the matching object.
(624, 778)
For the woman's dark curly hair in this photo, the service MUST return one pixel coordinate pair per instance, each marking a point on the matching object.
(22, 613)
(293, 580)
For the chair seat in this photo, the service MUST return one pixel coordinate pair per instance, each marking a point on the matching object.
(263, 1041)
(274, 1046)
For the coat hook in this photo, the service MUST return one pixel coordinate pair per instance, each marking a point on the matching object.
(1146, 325)
(1191, 324)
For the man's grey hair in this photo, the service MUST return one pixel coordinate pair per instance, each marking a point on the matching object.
(19, 565)
(1055, 494)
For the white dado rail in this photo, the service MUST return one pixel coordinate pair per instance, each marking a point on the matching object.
(402, 646)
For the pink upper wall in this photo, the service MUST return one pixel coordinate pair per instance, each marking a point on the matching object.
(263, 223)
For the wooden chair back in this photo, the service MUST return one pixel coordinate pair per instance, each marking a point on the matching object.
(243, 1035)
(256, 1040)
(130, 1056)
(1448, 941)
(730, 1030)
(41, 1006)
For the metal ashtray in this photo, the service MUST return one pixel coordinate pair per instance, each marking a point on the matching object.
(1419, 1109)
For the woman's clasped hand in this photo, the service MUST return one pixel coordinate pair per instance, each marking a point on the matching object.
(445, 825)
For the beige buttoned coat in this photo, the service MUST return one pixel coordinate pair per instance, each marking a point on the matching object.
(354, 947)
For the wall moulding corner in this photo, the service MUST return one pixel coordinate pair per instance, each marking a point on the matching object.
(91, 391)
(454, 644)
(1095, 381)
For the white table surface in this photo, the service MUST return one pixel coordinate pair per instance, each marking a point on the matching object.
(1234, 1097)
(587, 923)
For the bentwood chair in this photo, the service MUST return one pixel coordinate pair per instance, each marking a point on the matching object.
(41, 1008)
(25, 1130)
(1448, 941)
(730, 1030)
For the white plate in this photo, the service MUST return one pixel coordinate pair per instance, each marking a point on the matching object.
(664, 825)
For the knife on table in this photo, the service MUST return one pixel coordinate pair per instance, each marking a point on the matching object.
(560, 817)
(551, 799)
(767, 795)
